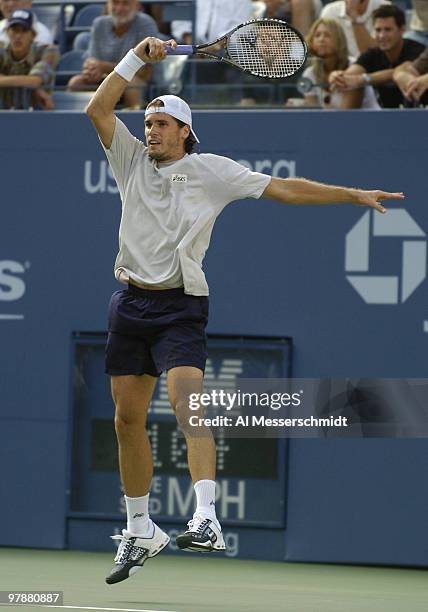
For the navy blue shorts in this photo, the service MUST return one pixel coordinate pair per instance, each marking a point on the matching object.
(153, 331)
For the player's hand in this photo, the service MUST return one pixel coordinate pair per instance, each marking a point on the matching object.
(152, 50)
(417, 88)
(373, 198)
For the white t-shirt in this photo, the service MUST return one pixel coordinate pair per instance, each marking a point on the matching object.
(43, 35)
(168, 211)
(335, 98)
(337, 10)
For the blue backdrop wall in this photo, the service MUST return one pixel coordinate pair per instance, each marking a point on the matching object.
(347, 286)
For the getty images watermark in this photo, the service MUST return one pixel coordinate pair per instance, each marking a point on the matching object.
(236, 401)
(326, 407)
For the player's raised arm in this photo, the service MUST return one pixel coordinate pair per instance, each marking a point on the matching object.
(101, 107)
(302, 191)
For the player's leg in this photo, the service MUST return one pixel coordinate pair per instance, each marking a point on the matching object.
(204, 531)
(131, 396)
(142, 538)
(201, 451)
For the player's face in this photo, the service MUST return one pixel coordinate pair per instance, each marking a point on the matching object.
(387, 33)
(164, 137)
(322, 42)
(20, 40)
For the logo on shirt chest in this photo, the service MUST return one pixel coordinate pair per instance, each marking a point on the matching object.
(178, 178)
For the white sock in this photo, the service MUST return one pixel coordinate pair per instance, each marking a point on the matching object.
(205, 499)
(137, 510)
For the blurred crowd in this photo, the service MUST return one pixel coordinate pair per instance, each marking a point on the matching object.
(362, 53)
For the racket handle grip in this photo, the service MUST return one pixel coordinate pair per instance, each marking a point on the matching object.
(180, 50)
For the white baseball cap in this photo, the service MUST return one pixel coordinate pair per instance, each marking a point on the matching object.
(176, 107)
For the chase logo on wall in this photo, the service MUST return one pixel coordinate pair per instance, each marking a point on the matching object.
(375, 289)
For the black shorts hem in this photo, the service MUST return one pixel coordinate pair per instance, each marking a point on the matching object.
(175, 364)
(113, 372)
(185, 363)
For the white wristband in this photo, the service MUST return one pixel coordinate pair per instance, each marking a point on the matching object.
(128, 67)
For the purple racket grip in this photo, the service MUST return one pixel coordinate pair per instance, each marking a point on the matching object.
(180, 50)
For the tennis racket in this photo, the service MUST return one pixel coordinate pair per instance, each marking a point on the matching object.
(268, 48)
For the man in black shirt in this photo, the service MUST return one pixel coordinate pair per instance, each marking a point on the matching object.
(376, 65)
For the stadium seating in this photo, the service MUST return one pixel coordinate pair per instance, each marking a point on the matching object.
(70, 63)
(81, 42)
(71, 101)
(86, 15)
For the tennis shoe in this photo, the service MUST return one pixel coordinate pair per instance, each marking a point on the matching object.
(134, 551)
(202, 535)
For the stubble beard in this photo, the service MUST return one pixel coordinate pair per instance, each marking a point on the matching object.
(166, 155)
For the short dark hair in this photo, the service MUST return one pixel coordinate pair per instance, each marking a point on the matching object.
(390, 10)
(190, 142)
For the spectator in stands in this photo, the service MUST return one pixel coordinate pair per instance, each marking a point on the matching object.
(25, 64)
(213, 19)
(277, 9)
(112, 36)
(156, 11)
(43, 35)
(329, 50)
(418, 30)
(376, 65)
(412, 79)
(355, 19)
(300, 13)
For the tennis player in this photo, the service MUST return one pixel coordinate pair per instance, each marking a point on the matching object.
(170, 200)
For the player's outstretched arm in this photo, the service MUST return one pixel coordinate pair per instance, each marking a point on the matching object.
(101, 107)
(302, 191)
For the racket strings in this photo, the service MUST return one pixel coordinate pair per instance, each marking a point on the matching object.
(267, 49)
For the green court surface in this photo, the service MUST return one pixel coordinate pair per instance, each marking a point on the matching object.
(191, 583)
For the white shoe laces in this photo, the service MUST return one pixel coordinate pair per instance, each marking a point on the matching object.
(127, 550)
(197, 523)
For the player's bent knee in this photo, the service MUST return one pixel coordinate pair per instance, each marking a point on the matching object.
(182, 414)
(128, 425)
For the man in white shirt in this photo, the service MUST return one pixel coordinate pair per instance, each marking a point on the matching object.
(171, 198)
(213, 19)
(43, 35)
(355, 18)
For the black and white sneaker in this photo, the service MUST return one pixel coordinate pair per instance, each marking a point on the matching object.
(133, 552)
(202, 535)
